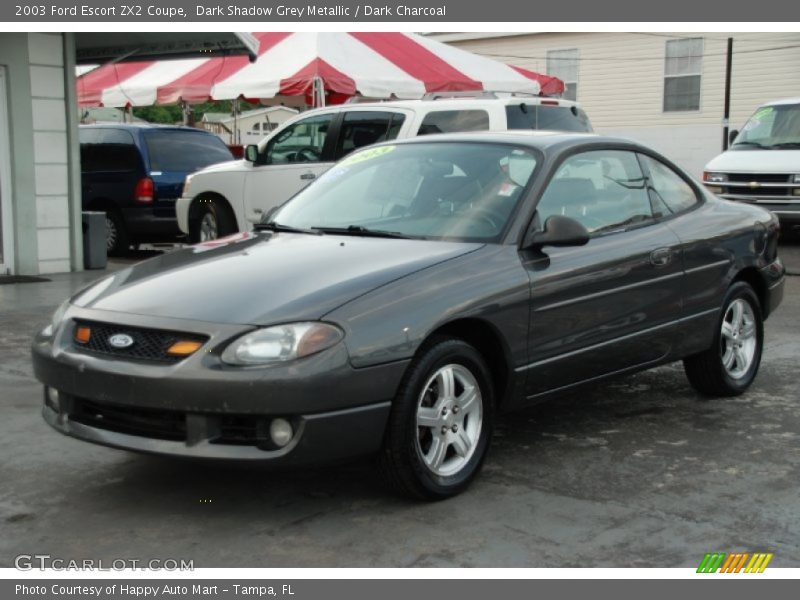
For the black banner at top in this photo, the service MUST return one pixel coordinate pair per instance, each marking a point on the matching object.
(353, 11)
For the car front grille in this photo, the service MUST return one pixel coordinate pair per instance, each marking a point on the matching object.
(148, 344)
(172, 425)
(146, 422)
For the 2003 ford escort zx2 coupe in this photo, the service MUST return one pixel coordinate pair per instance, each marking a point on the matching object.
(417, 288)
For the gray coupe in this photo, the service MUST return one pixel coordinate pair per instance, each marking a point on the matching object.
(410, 293)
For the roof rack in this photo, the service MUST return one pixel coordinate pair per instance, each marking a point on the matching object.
(478, 94)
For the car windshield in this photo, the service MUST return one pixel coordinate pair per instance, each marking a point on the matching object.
(775, 126)
(436, 190)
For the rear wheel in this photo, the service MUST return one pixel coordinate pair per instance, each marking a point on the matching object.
(213, 221)
(117, 238)
(441, 422)
(729, 367)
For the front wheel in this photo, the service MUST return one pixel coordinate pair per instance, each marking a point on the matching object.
(729, 367)
(213, 221)
(441, 422)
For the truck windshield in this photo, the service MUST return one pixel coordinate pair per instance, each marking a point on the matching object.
(776, 126)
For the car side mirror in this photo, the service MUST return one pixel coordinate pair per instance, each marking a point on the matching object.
(732, 136)
(251, 153)
(558, 231)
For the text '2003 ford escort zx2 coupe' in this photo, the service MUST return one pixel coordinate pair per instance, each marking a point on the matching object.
(414, 290)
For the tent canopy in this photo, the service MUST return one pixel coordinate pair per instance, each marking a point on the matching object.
(316, 68)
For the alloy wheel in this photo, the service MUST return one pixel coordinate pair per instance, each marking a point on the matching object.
(449, 419)
(208, 227)
(739, 338)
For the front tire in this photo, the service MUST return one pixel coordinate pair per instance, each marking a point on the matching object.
(213, 221)
(118, 239)
(729, 367)
(441, 422)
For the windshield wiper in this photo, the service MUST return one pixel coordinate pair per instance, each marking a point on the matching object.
(785, 145)
(360, 230)
(621, 224)
(756, 144)
(273, 226)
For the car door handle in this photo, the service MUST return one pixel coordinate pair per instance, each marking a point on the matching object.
(661, 257)
(308, 176)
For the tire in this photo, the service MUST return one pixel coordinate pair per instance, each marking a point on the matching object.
(730, 365)
(213, 221)
(118, 239)
(437, 461)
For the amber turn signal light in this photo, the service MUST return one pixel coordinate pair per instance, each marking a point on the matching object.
(82, 335)
(183, 348)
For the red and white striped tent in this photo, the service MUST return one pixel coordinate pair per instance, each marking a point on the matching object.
(313, 68)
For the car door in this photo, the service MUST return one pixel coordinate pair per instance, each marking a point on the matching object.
(361, 128)
(293, 157)
(614, 303)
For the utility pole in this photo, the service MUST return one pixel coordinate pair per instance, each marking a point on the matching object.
(727, 115)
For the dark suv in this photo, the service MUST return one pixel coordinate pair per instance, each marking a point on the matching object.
(134, 173)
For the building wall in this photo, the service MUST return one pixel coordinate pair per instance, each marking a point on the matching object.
(45, 196)
(621, 82)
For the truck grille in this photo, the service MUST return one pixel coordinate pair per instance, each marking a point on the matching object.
(755, 187)
(148, 344)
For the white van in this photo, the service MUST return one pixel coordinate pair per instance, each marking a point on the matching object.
(762, 165)
(229, 197)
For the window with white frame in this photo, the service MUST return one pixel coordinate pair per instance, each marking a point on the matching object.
(682, 74)
(564, 65)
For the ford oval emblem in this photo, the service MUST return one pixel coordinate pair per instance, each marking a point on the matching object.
(121, 340)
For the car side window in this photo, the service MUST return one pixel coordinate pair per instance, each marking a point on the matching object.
(362, 128)
(668, 189)
(604, 190)
(301, 142)
(447, 121)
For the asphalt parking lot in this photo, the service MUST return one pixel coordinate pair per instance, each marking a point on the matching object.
(639, 472)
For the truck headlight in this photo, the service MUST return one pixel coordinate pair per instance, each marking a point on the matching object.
(187, 183)
(796, 179)
(56, 319)
(281, 343)
(712, 178)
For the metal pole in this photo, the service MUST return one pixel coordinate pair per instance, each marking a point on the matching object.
(727, 115)
(236, 136)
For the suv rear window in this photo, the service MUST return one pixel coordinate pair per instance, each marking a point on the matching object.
(184, 151)
(108, 150)
(448, 121)
(557, 118)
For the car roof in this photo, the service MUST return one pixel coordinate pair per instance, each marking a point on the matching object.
(142, 126)
(456, 103)
(540, 139)
(782, 101)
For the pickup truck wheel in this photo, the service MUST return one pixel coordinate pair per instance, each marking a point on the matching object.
(117, 238)
(441, 422)
(729, 367)
(213, 221)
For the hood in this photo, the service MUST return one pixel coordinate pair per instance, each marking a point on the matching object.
(227, 166)
(756, 161)
(264, 278)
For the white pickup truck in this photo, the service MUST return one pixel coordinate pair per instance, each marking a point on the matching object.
(762, 165)
(229, 197)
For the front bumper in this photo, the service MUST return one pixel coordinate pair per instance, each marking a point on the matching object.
(787, 208)
(336, 411)
(182, 213)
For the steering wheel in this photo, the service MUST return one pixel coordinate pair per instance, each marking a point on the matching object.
(494, 219)
(307, 154)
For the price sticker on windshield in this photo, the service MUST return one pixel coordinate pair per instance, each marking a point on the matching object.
(367, 155)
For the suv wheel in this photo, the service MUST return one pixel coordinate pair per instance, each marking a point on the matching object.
(117, 238)
(441, 422)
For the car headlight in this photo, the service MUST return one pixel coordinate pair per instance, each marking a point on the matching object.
(281, 343)
(56, 319)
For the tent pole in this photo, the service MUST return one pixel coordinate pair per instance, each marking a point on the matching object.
(236, 136)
